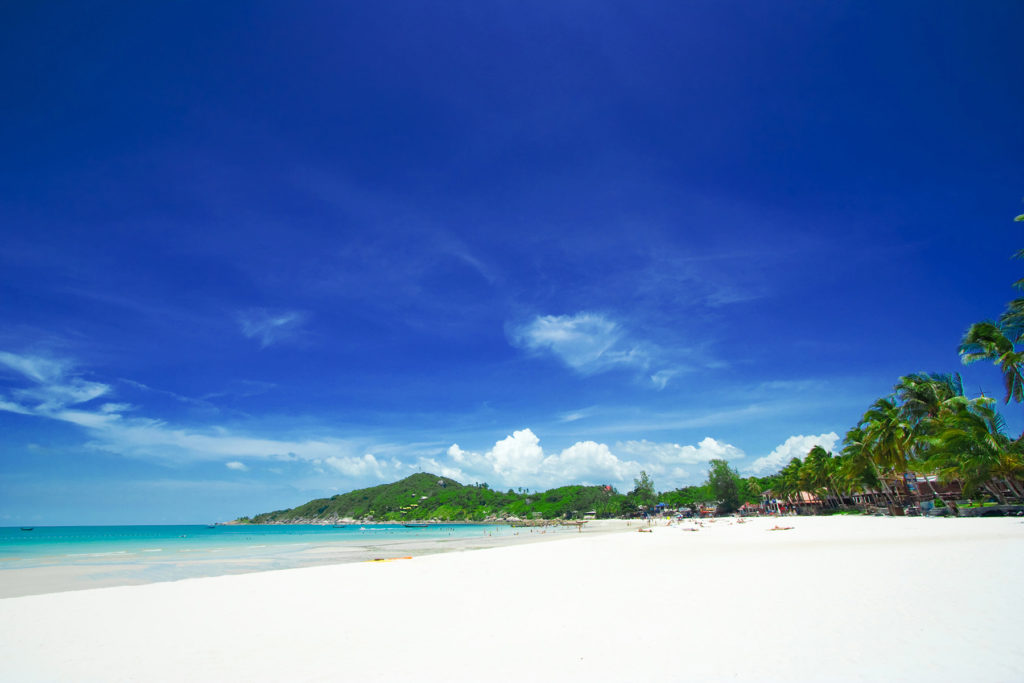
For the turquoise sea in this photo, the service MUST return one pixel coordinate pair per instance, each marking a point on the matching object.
(46, 545)
(54, 558)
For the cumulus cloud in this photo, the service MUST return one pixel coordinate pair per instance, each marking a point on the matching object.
(236, 465)
(519, 460)
(794, 447)
(270, 327)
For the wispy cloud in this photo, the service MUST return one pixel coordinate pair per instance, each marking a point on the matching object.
(36, 368)
(574, 415)
(591, 343)
(237, 466)
(51, 389)
(271, 327)
(51, 386)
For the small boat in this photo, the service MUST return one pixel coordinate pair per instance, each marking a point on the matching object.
(211, 526)
(27, 528)
(340, 526)
(415, 525)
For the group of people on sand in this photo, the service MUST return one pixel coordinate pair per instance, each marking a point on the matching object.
(698, 524)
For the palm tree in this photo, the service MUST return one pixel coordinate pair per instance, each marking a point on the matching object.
(788, 482)
(971, 445)
(923, 395)
(996, 341)
(819, 474)
(924, 398)
(888, 437)
(858, 469)
(989, 341)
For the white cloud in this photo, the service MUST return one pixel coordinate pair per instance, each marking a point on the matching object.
(271, 327)
(519, 460)
(590, 343)
(9, 407)
(52, 387)
(590, 462)
(793, 447)
(51, 390)
(662, 377)
(708, 449)
(35, 368)
(517, 455)
(585, 341)
(363, 467)
(55, 393)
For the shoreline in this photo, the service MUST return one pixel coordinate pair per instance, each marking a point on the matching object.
(112, 571)
(831, 599)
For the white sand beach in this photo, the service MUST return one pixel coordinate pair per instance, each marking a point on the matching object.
(833, 599)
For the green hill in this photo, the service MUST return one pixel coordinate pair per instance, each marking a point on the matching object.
(427, 496)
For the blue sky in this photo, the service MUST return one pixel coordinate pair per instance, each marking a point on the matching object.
(255, 254)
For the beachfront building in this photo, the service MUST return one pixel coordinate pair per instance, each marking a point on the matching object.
(802, 503)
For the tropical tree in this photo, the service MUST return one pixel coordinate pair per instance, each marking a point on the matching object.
(997, 341)
(888, 437)
(754, 488)
(858, 469)
(725, 485)
(988, 340)
(788, 483)
(924, 399)
(643, 490)
(971, 446)
(819, 474)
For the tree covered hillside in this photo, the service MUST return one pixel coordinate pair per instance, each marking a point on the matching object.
(428, 496)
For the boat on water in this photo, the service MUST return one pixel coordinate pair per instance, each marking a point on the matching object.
(340, 526)
(415, 525)
(27, 528)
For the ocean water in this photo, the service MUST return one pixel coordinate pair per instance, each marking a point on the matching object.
(91, 545)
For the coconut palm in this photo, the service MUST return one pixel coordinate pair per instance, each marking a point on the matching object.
(788, 484)
(989, 341)
(924, 398)
(858, 469)
(888, 437)
(971, 445)
(819, 474)
(923, 395)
